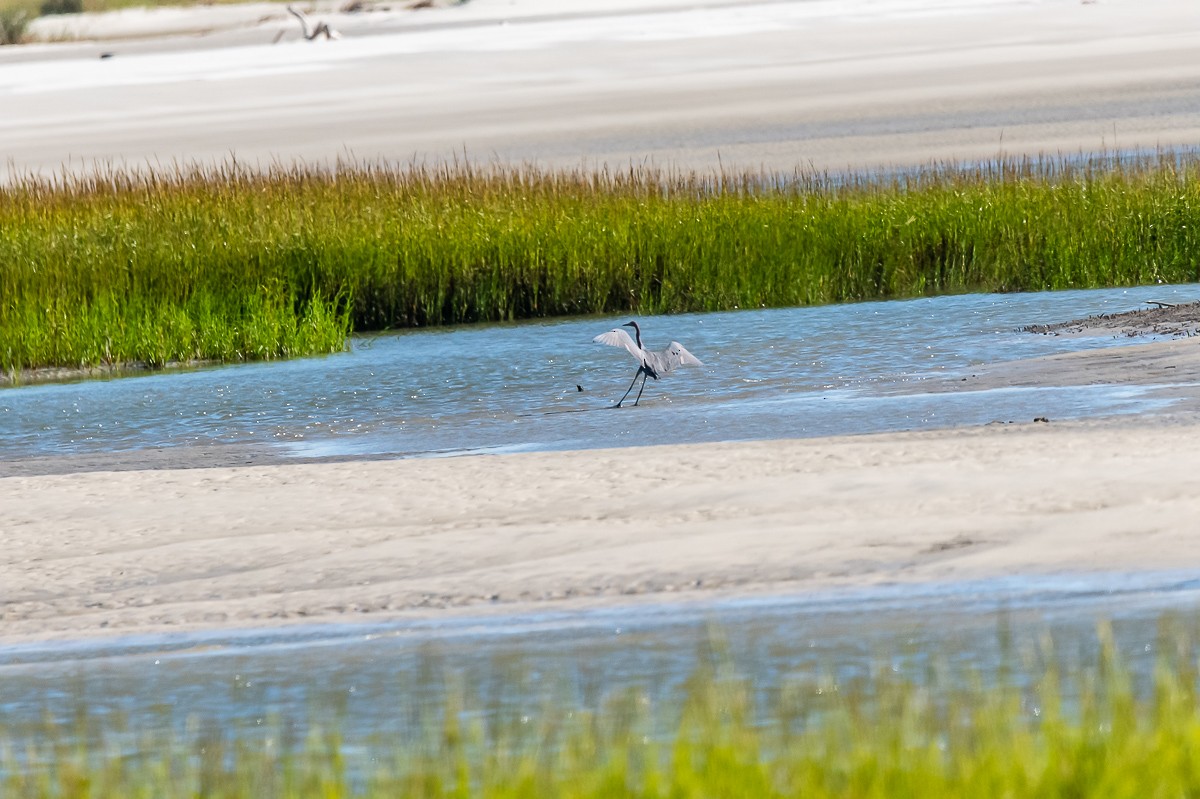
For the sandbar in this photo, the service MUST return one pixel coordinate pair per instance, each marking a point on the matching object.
(187, 546)
(222, 537)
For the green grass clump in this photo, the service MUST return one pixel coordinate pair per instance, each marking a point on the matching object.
(1089, 731)
(143, 266)
(14, 20)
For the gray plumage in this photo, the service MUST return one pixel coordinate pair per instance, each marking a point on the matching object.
(650, 363)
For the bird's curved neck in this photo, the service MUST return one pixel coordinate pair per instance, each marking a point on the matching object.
(637, 333)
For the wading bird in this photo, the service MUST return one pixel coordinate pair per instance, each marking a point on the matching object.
(652, 364)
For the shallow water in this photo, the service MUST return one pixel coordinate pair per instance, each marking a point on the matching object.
(377, 679)
(767, 374)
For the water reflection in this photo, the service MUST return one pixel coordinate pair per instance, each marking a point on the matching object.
(767, 374)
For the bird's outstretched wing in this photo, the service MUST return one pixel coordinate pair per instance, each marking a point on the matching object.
(671, 358)
(681, 357)
(619, 338)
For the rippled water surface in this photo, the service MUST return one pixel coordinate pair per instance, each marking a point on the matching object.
(374, 679)
(767, 374)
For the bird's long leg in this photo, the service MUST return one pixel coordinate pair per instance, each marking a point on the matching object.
(640, 390)
(626, 394)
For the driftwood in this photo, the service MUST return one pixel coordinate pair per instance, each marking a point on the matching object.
(310, 31)
(1160, 303)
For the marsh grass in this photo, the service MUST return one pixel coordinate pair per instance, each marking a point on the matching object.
(1042, 728)
(231, 263)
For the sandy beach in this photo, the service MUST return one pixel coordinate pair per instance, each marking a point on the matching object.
(254, 546)
(810, 84)
(157, 541)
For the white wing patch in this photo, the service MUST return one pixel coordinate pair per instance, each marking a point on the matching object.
(619, 338)
(678, 353)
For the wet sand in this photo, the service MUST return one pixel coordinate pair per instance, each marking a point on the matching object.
(169, 548)
(1158, 319)
(1170, 367)
(171, 540)
(184, 549)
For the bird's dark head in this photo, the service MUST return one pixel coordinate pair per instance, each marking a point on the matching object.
(632, 324)
(637, 331)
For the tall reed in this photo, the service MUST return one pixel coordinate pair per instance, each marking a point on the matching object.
(230, 263)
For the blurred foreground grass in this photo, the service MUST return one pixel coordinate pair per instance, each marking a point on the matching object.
(1033, 729)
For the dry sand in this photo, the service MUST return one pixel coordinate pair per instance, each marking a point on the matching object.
(156, 545)
(828, 84)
